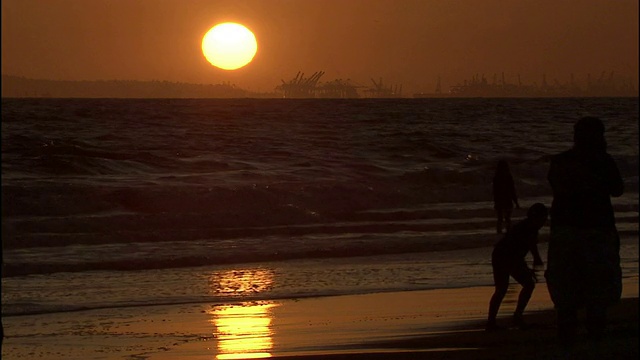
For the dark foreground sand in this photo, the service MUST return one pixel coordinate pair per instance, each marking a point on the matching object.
(433, 324)
(537, 342)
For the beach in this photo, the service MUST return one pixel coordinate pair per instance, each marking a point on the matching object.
(431, 324)
(318, 179)
(161, 229)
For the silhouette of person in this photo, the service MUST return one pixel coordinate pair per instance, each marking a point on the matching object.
(508, 259)
(504, 196)
(583, 260)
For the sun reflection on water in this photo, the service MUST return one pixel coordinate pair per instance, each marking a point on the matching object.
(243, 330)
(241, 281)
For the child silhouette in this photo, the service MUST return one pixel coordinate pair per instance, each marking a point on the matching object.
(508, 259)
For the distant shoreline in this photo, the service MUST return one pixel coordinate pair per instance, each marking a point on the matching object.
(22, 87)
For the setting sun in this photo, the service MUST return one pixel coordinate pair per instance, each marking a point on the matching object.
(229, 46)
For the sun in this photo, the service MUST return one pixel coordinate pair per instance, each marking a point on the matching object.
(229, 46)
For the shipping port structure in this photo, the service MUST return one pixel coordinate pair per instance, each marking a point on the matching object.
(301, 87)
(606, 85)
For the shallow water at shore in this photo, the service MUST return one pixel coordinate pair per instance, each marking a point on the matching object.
(114, 203)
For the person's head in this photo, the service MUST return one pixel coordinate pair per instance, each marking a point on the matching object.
(538, 214)
(588, 134)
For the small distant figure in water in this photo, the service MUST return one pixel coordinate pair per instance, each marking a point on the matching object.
(583, 259)
(504, 196)
(508, 259)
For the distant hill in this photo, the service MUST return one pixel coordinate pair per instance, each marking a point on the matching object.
(16, 86)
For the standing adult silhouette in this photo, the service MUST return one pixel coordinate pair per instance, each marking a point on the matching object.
(583, 260)
(504, 196)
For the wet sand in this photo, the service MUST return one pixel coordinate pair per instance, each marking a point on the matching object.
(430, 324)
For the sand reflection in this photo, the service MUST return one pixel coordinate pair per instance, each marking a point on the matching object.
(243, 331)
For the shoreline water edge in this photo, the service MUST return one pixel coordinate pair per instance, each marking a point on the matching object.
(430, 324)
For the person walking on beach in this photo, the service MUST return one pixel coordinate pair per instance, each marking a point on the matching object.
(508, 259)
(504, 196)
(583, 260)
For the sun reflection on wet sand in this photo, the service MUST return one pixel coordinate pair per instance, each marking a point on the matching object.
(243, 330)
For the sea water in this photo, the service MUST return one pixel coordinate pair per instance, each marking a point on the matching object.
(135, 202)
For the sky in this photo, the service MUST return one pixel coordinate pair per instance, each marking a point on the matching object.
(403, 42)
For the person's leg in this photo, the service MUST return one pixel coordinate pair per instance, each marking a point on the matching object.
(565, 281)
(500, 219)
(596, 321)
(501, 281)
(567, 325)
(602, 278)
(507, 219)
(523, 275)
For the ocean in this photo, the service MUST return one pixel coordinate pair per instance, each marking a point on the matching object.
(110, 203)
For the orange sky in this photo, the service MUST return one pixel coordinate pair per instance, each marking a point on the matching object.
(408, 42)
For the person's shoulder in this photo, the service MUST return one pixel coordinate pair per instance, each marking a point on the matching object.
(523, 226)
(520, 224)
(609, 157)
(565, 154)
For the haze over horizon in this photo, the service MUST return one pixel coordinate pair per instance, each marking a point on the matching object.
(408, 42)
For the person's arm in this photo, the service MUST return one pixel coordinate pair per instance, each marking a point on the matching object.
(558, 178)
(514, 196)
(533, 249)
(495, 189)
(537, 260)
(615, 182)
